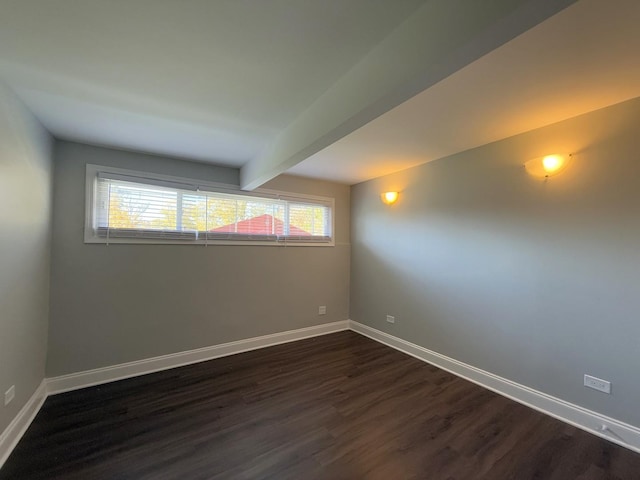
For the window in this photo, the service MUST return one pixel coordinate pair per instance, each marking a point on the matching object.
(132, 207)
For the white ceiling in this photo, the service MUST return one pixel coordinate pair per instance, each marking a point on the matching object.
(208, 80)
(582, 59)
(223, 81)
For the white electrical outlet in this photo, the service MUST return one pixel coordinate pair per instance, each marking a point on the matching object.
(597, 384)
(9, 395)
(391, 319)
(322, 310)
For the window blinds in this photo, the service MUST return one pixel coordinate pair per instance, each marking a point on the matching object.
(131, 207)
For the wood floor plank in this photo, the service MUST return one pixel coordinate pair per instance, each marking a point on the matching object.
(335, 407)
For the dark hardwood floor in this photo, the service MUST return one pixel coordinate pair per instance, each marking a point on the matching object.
(334, 407)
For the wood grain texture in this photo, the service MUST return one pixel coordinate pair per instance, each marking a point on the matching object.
(335, 407)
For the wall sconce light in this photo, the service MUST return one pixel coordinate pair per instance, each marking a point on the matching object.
(390, 197)
(544, 167)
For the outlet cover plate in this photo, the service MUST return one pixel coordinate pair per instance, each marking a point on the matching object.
(391, 319)
(322, 310)
(9, 395)
(597, 384)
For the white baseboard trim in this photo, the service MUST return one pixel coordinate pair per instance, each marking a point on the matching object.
(89, 378)
(616, 431)
(16, 429)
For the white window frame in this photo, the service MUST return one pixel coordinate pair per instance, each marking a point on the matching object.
(90, 230)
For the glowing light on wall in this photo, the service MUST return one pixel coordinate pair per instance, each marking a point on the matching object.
(390, 197)
(547, 165)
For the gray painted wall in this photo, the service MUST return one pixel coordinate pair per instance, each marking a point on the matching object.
(119, 303)
(537, 282)
(25, 200)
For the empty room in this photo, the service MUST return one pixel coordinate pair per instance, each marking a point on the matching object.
(319, 239)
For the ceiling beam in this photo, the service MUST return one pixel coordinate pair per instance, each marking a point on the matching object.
(440, 38)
